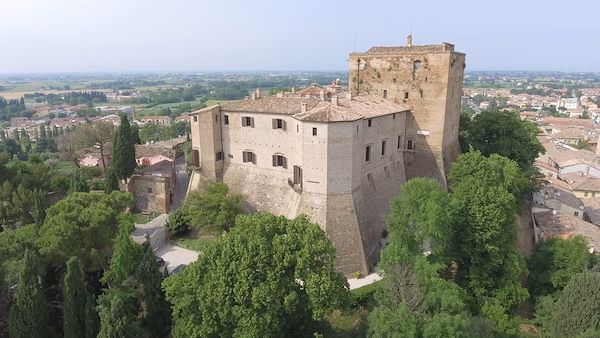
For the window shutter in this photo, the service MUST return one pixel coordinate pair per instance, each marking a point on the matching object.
(283, 124)
(274, 160)
(253, 158)
(274, 123)
(244, 156)
(243, 121)
(284, 162)
(252, 122)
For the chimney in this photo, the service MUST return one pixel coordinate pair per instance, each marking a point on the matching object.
(335, 100)
(303, 108)
(322, 95)
(253, 96)
(409, 40)
(258, 93)
(293, 89)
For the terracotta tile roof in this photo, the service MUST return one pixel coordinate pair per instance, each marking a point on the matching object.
(563, 121)
(562, 225)
(592, 209)
(362, 106)
(163, 168)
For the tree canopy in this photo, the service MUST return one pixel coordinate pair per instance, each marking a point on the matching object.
(123, 150)
(502, 133)
(82, 225)
(213, 208)
(269, 277)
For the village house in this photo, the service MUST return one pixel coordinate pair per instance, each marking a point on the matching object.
(550, 224)
(155, 119)
(153, 187)
(339, 157)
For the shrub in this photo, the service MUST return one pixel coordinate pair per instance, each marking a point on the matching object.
(179, 222)
(97, 185)
(365, 295)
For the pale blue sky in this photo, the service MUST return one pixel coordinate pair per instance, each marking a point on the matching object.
(181, 35)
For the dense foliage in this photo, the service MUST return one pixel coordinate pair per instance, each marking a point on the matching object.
(502, 133)
(213, 208)
(269, 277)
(123, 151)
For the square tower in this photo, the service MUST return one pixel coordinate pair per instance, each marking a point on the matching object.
(429, 79)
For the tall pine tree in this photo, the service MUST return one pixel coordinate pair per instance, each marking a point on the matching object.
(39, 211)
(28, 317)
(156, 317)
(116, 316)
(111, 181)
(42, 131)
(79, 317)
(123, 159)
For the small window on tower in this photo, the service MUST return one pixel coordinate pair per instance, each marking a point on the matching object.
(195, 118)
(410, 144)
(385, 93)
(314, 131)
(226, 119)
(369, 122)
(406, 95)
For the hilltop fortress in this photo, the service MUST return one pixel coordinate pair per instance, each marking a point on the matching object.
(339, 155)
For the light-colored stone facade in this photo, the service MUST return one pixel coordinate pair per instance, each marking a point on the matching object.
(309, 155)
(427, 78)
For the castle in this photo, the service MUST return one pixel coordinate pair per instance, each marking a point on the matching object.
(339, 156)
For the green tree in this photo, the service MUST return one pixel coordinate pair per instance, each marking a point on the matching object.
(503, 133)
(39, 210)
(117, 320)
(28, 317)
(126, 255)
(179, 222)
(79, 317)
(156, 317)
(123, 157)
(418, 221)
(112, 181)
(135, 134)
(577, 310)
(82, 225)
(99, 134)
(213, 208)
(270, 277)
(42, 132)
(555, 260)
(385, 322)
(78, 183)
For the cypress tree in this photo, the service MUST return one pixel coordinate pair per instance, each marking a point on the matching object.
(78, 184)
(111, 181)
(2, 135)
(116, 319)
(123, 157)
(28, 316)
(36, 132)
(78, 304)
(156, 320)
(125, 258)
(42, 131)
(15, 135)
(39, 211)
(135, 134)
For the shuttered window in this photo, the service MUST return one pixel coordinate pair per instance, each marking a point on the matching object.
(279, 161)
(278, 124)
(248, 156)
(247, 121)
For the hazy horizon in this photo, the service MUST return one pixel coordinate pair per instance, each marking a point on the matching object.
(63, 36)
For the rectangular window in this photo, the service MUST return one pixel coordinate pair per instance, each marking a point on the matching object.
(385, 93)
(195, 118)
(248, 156)
(399, 141)
(149, 190)
(368, 153)
(247, 121)
(278, 124)
(297, 175)
(314, 131)
(297, 128)
(219, 156)
(576, 213)
(279, 161)
(410, 144)
(383, 148)
(585, 194)
(226, 119)
(393, 116)
(216, 118)
(369, 122)
(406, 96)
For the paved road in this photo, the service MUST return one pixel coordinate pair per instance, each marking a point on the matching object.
(181, 182)
(174, 256)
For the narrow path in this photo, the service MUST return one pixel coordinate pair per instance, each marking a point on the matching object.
(181, 182)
